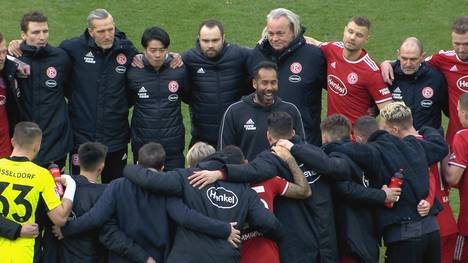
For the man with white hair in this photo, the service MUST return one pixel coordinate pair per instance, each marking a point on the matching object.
(301, 67)
(97, 95)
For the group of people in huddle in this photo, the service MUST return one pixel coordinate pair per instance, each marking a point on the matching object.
(267, 180)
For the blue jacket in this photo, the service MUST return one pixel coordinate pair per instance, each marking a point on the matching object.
(228, 202)
(143, 217)
(42, 99)
(96, 87)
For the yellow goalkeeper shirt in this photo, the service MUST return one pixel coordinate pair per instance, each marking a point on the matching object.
(22, 184)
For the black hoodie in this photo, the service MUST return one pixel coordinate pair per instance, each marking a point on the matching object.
(244, 124)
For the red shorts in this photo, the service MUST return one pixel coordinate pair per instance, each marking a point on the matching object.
(348, 259)
(447, 247)
(461, 250)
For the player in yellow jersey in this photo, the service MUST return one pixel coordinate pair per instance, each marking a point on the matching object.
(22, 184)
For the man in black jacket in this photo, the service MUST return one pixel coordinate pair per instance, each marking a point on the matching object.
(355, 199)
(244, 123)
(157, 91)
(309, 223)
(228, 202)
(409, 228)
(143, 217)
(85, 247)
(42, 92)
(218, 77)
(98, 98)
(422, 88)
(301, 67)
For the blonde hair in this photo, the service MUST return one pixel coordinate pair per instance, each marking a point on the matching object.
(198, 152)
(397, 113)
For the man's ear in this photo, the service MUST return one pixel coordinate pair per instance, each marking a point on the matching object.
(269, 137)
(101, 167)
(90, 32)
(395, 130)
(254, 84)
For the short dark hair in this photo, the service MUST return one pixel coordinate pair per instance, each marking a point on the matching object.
(361, 21)
(210, 23)
(460, 26)
(463, 100)
(280, 125)
(91, 155)
(26, 133)
(264, 65)
(152, 155)
(233, 154)
(155, 33)
(365, 126)
(336, 126)
(33, 16)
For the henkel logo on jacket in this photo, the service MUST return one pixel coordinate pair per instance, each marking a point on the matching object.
(222, 197)
(336, 85)
(462, 83)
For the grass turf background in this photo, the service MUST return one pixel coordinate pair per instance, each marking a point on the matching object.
(392, 21)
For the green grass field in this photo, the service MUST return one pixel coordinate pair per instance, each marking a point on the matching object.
(243, 19)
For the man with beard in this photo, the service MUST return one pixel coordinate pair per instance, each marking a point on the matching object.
(301, 67)
(454, 65)
(244, 123)
(218, 77)
(353, 78)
